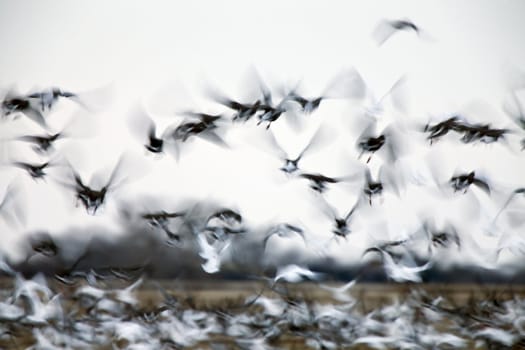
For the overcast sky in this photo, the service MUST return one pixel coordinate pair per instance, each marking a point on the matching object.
(162, 54)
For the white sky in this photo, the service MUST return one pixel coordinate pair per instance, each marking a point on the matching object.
(141, 46)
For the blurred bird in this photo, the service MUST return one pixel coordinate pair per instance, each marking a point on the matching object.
(224, 222)
(205, 128)
(144, 128)
(47, 98)
(42, 144)
(38, 171)
(269, 112)
(507, 202)
(14, 103)
(291, 165)
(372, 187)
(341, 293)
(283, 230)
(345, 85)
(440, 237)
(386, 28)
(341, 223)
(295, 273)
(462, 182)
(514, 110)
(318, 182)
(478, 132)
(91, 198)
(243, 111)
(440, 129)
(403, 270)
(226, 215)
(42, 243)
(213, 254)
(370, 141)
(375, 187)
(162, 220)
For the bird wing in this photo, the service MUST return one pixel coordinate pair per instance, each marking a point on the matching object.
(319, 138)
(213, 137)
(482, 185)
(139, 123)
(36, 116)
(382, 32)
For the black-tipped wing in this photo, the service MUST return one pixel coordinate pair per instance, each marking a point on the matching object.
(482, 185)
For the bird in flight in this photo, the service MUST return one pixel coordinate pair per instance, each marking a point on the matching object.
(462, 182)
(47, 98)
(386, 28)
(92, 198)
(291, 165)
(13, 103)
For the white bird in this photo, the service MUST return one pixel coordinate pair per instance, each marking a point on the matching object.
(403, 270)
(211, 253)
(340, 293)
(295, 273)
(501, 336)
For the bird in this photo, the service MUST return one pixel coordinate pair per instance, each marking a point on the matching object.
(283, 230)
(38, 171)
(226, 215)
(47, 98)
(341, 226)
(204, 128)
(370, 141)
(43, 243)
(440, 237)
(403, 270)
(207, 119)
(269, 112)
(291, 165)
(294, 273)
(517, 191)
(442, 128)
(386, 28)
(91, 198)
(307, 105)
(42, 143)
(345, 85)
(478, 132)
(243, 111)
(14, 103)
(161, 219)
(224, 222)
(318, 182)
(462, 182)
(213, 254)
(341, 293)
(386, 179)
(144, 128)
(371, 145)
(371, 187)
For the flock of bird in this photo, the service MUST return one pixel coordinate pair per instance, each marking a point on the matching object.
(36, 315)
(213, 236)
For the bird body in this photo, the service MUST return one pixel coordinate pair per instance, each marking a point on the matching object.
(294, 273)
(463, 181)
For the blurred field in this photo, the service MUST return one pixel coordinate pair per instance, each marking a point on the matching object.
(223, 296)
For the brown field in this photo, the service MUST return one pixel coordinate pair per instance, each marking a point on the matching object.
(231, 295)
